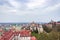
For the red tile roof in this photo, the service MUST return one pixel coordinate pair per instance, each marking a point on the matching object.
(33, 38)
(23, 33)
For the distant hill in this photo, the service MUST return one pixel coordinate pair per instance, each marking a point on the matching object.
(23, 23)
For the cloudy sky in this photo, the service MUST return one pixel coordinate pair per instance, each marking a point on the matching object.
(29, 10)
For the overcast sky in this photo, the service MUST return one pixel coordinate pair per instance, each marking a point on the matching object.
(29, 10)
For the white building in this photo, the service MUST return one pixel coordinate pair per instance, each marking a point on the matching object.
(40, 29)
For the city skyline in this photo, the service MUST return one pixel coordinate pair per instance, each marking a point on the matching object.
(29, 10)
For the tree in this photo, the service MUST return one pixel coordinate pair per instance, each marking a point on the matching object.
(47, 29)
(43, 36)
(36, 35)
(53, 35)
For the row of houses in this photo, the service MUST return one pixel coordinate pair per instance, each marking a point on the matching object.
(17, 35)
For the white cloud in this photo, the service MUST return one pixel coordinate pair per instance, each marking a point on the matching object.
(12, 11)
(52, 8)
(35, 3)
(32, 10)
(15, 3)
(16, 11)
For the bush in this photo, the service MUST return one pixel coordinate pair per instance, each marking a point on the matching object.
(44, 36)
(53, 35)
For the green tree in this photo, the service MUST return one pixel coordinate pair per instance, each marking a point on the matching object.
(47, 29)
(36, 35)
(43, 36)
(53, 35)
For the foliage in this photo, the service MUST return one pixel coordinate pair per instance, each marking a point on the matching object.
(36, 35)
(43, 36)
(47, 36)
(47, 29)
(53, 35)
(58, 28)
